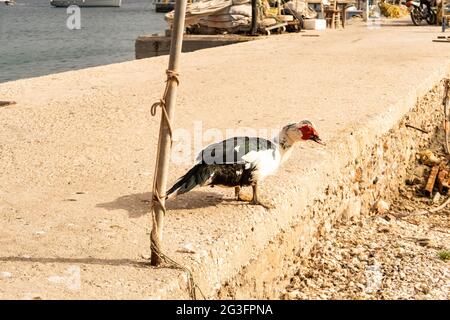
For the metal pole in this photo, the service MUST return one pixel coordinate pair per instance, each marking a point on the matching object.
(163, 157)
(254, 29)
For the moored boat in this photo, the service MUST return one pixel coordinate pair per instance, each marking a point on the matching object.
(86, 3)
(8, 2)
(164, 5)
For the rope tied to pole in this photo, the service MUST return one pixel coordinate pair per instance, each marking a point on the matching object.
(171, 76)
(157, 198)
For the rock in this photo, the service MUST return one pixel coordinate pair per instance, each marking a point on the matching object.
(420, 171)
(187, 248)
(414, 180)
(383, 229)
(145, 256)
(382, 206)
(295, 281)
(436, 198)
(363, 257)
(421, 288)
(356, 251)
(400, 252)
(428, 158)
(423, 242)
(5, 274)
(360, 286)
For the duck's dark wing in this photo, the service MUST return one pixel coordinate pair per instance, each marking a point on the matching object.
(232, 151)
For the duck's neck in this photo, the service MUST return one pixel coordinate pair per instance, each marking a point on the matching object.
(284, 144)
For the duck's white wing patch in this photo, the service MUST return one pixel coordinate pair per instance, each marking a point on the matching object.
(265, 162)
(252, 156)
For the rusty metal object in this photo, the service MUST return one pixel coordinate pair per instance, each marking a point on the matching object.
(432, 179)
(418, 129)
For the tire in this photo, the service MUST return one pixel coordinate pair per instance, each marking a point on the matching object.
(432, 18)
(416, 17)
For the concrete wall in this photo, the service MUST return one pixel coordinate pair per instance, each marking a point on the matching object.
(153, 46)
(371, 172)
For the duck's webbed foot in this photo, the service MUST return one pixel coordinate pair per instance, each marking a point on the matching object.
(256, 201)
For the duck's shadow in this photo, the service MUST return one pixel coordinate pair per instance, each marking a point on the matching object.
(138, 204)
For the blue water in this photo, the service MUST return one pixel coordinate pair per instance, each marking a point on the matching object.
(34, 38)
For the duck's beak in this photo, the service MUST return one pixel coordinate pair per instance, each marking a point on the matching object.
(316, 138)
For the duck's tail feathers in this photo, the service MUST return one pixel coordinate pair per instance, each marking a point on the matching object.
(196, 176)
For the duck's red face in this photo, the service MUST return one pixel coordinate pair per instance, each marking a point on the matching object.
(309, 133)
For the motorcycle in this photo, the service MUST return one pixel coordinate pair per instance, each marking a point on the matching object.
(422, 10)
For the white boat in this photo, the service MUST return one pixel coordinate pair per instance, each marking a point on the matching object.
(8, 2)
(86, 3)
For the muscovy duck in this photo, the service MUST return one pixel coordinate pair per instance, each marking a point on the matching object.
(244, 161)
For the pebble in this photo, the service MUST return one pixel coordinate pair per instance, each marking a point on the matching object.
(145, 256)
(421, 287)
(382, 206)
(383, 229)
(187, 248)
(423, 242)
(293, 295)
(436, 198)
(420, 170)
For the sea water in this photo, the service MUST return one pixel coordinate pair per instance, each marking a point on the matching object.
(38, 39)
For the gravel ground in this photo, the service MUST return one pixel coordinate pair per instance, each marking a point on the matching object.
(383, 256)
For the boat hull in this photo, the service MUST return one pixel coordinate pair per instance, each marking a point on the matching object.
(86, 3)
(164, 7)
